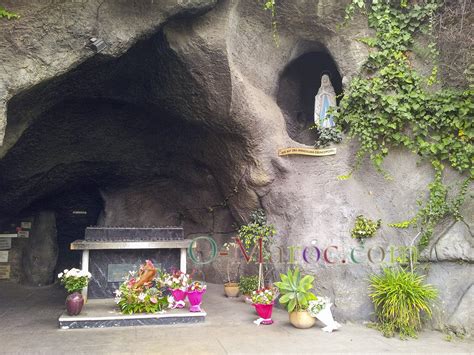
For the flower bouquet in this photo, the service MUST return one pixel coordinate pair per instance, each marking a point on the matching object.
(263, 301)
(177, 283)
(321, 309)
(140, 293)
(74, 281)
(195, 291)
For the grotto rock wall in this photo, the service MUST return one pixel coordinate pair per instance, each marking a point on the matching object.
(41, 252)
(189, 106)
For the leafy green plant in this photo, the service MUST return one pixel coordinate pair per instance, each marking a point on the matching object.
(438, 207)
(364, 228)
(232, 264)
(400, 297)
(295, 290)
(391, 105)
(248, 284)
(4, 13)
(270, 5)
(257, 229)
(251, 234)
(326, 136)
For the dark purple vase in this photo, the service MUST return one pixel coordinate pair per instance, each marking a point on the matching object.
(74, 303)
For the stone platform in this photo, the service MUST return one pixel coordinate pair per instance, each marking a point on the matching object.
(103, 313)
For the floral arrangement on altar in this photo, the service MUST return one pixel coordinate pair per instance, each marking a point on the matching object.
(196, 286)
(265, 295)
(177, 280)
(141, 292)
(74, 280)
(195, 292)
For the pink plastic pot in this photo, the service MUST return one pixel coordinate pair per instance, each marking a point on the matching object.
(265, 313)
(179, 296)
(195, 299)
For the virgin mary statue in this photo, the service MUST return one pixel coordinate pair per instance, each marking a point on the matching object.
(325, 98)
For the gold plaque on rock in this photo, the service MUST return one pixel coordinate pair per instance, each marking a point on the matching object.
(307, 151)
(4, 271)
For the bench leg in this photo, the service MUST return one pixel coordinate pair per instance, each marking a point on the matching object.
(85, 267)
(182, 260)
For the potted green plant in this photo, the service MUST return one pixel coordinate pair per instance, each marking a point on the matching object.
(296, 295)
(74, 281)
(252, 233)
(400, 297)
(247, 285)
(231, 286)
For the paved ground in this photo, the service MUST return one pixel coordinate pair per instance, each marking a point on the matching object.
(28, 324)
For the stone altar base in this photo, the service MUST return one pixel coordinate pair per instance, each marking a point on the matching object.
(103, 313)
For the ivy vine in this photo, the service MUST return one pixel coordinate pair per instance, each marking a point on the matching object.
(364, 228)
(4, 13)
(439, 206)
(270, 5)
(390, 105)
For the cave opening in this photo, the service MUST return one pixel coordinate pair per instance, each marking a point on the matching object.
(75, 210)
(298, 86)
(118, 142)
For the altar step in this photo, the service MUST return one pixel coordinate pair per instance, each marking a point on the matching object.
(103, 313)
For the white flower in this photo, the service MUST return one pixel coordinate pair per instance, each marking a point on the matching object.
(60, 275)
(141, 297)
(118, 293)
(117, 300)
(73, 272)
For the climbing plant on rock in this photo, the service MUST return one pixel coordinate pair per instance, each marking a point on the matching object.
(270, 5)
(390, 104)
(4, 13)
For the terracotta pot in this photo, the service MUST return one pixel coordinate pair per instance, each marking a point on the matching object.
(74, 303)
(301, 319)
(231, 289)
